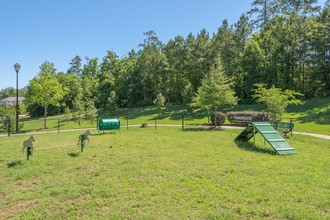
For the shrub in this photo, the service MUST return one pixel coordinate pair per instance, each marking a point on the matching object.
(4, 124)
(144, 125)
(221, 118)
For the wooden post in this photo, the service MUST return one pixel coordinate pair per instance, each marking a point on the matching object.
(291, 123)
(127, 122)
(155, 122)
(58, 125)
(254, 135)
(182, 122)
(8, 127)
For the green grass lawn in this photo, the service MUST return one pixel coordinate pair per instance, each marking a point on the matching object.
(313, 117)
(163, 174)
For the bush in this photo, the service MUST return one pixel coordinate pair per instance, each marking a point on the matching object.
(4, 125)
(256, 116)
(221, 118)
(144, 125)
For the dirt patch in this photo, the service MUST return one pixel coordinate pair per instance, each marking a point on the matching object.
(2, 196)
(78, 200)
(27, 184)
(10, 211)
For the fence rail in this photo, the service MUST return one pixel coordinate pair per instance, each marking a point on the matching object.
(26, 125)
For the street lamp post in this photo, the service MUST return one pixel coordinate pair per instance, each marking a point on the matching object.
(17, 68)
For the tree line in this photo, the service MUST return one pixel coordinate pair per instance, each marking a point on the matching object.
(278, 43)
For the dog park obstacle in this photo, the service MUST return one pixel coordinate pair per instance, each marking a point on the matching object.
(82, 138)
(108, 124)
(28, 144)
(276, 141)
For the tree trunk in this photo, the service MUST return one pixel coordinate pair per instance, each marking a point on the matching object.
(215, 118)
(45, 115)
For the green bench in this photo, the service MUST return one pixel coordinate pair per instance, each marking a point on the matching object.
(284, 127)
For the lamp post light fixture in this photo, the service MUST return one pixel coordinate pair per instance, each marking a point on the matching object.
(17, 68)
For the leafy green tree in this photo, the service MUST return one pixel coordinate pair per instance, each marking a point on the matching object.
(128, 81)
(187, 96)
(252, 63)
(318, 81)
(215, 91)
(112, 102)
(199, 59)
(75, 66)
(90, 82)
(78, 110)
(8, 112)
(73, 83)
(10, 91)
(265, 11)
(45, 90)
(160, 103)
(303, 7)
(176, 55)
(152, 70)
(110, 70)
(226, 48)
(7, 92)
(90, 111)
(242, 32)
(276, 99)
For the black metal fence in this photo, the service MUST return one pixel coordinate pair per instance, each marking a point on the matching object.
(184, 121)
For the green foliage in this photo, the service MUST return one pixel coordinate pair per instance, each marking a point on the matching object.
(75, 67)
(8, 113)
(288, 48)
(22, 108)
(218, 117)
(45, 89)
(160, 103)
(215, 91)
(10, 91)
(276, 99)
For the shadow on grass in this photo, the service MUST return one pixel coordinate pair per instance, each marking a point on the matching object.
(250, 147)
(74, 154)
(319, 117)
(206, 128)
(315, 110)
(14, 163)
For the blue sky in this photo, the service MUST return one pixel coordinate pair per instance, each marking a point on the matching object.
(34, 31)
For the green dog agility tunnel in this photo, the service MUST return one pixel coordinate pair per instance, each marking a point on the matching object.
(108, 124)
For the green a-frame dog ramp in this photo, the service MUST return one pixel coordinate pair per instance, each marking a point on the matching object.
(276, 141)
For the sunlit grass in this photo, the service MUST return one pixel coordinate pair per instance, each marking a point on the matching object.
(163, 174)
(313, 117)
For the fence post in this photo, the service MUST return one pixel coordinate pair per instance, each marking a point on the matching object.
(155, 122)
(58, 125)
(127, 122)
(291, 121)
(182, 121)
(8, 127)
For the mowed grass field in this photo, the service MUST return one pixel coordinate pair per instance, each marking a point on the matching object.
(311, 117)
(143, 173)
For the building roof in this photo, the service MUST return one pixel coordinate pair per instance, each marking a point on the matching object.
(12, 99)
